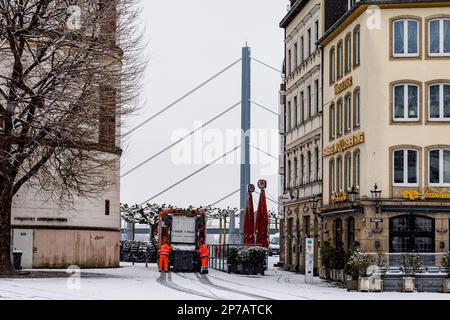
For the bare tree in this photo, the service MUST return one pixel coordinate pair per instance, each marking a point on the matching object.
(69, 72)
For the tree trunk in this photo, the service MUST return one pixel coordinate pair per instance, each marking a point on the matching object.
(5, 231)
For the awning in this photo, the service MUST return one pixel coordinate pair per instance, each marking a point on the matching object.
(342, 211)
(416, 209)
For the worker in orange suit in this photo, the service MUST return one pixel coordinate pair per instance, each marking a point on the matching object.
(203, 252)
(164, 252)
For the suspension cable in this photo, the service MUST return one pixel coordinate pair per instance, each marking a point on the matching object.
(182, 97)
(266, 65)
(190, 175)
(263, 107)
(180, 140)
(225, 197)
(265, 152)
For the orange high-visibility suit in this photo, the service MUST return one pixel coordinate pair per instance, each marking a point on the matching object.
(203, 252)
(164, 252)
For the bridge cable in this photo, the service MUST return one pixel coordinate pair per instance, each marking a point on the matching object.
(265, 152)
(266, 65)
(182, 98)
(189, 176)
(180, 140)
(263, 107)
(225, 197)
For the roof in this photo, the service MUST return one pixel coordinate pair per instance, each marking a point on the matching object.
(363, 4)
(295, 9)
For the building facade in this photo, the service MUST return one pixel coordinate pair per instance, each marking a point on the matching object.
(87, 234)
(386, 126)
(301, 123)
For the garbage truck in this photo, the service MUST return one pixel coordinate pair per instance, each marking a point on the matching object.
(184, 230)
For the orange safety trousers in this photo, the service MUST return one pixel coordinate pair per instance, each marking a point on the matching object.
(204, 262)
(164, 263)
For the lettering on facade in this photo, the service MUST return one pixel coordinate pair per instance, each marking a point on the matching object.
(344, 144)
(341, 86)
(427, 194)
(339, 197)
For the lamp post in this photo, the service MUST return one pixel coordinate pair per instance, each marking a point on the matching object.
(352, 195)
(376, 196)
(314, 203)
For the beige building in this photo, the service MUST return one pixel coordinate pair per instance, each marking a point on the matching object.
(386, 126)
(302, 124)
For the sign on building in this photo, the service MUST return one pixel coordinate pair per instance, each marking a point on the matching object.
(309, 260)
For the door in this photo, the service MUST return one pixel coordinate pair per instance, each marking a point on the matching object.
(23, 241)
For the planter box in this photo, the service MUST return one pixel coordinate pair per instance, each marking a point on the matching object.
(352, 285)
(409, 284)
(322, 273)
(368, 284)
(446, 285)
(232, 268)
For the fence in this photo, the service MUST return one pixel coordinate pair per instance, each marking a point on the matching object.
(218, 255)
(393, 262)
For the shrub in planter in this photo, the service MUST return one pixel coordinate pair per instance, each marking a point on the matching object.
(232, 259)
(357, 266)
(445, 262)
(410, 263)
(257, 258)
(326, 255)
(338, 263)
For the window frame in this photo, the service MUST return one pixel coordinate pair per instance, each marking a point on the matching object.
(348, 53)
(406, 84)
(356, 46)
(339, 117)
(348, 112)
(441, 167)
(339, 174)
(332, 173)
(332, 66)
(356, 92)
(332, 127)
(357, 169)
(441, 84)
(441, 54)
(340, 60)
(405, 151)
(405, 21)
(348, 172)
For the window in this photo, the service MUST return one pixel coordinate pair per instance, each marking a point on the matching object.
(338, 233)
(309, 102)
(332, 66)
(295, 171)
(289, 66)
(107, 207)
(412, 233)
(288, 175)
(309, 42)
(332, 121)
(350, 232)
(316, 96)
(339, 118)
(302, 106)
(332, 177)
(288, 117)
(357, 108)
(339, 174)
(348, 53)
(340, 58)
(302, 169)
(351, 3)
(348, 172)
(309, 167)
(295, 56)
(439, 167)
(348, 112)
(406, 168)
(302, 49)
(316, 157)
(316, 28)
(439, 102)
(406, 102)
(357, 169)
(356, 47)
(295, 111)
(439, 37)
(406, 38)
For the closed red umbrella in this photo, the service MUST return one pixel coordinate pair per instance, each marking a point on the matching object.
(262, 217)
(249, 219)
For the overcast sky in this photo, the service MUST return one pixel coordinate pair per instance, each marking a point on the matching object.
(189, 41)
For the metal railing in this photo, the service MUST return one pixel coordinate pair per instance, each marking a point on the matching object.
(218, 255)
(393, 262)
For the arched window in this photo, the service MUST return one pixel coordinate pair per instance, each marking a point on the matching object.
(332, 177)
(332, 121)
(356, 46)
(348, 172)
(439, 37)
(339, 118)
(439, 167)
(356, 169)
(356, 108)
(350, 232)
(411, 233)
(348, 113)
(405, 167)
(332, 65)
(340, 60)
(339, 174)
(348, 53)
(405, 38)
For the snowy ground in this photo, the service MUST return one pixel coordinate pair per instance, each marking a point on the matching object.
(139, 282)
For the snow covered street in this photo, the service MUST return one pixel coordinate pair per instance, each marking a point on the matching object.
(139, 282)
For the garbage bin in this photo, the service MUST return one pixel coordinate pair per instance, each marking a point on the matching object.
(17, 259)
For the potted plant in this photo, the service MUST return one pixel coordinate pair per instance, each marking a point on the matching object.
(410, 262)
(351, 270)
(256, 259)
(445, 262)
(326, 253)
(338, 263)
(232, 259)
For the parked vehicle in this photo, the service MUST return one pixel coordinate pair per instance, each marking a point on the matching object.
(274, 245)
(138, 251)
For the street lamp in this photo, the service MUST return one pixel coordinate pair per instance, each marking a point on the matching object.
(352, 195)
(314, 203)
(376, 196)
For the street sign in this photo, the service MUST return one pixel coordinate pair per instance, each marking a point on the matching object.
(309, 260)
(376, 220)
